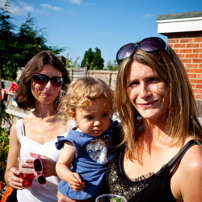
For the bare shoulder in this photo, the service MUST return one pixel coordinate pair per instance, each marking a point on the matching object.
(188, 177)
(192, 158)
(13, 129)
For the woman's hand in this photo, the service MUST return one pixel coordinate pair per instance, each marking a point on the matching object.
(48, 165)
(75, 182)
(14, 180)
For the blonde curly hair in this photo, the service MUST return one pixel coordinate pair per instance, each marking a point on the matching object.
(83, 92)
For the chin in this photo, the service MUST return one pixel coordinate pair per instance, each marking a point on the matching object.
(153, 116)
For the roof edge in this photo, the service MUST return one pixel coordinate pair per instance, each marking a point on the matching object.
(180, 15)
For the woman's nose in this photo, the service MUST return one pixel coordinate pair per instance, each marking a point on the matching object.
(144, 91)
(49, 85)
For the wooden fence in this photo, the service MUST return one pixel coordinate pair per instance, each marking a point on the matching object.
(16, 113)
(108, 76)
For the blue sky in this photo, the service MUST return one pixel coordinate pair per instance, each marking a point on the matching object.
(107, 24)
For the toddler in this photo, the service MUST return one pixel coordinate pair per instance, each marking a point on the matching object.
(87, 150)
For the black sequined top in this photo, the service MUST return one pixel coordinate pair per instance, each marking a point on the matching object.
(154, 187)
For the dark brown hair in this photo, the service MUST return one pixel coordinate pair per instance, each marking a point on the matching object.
(24, 97)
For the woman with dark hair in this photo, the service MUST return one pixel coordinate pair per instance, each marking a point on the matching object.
(40, 86)
(160, 157)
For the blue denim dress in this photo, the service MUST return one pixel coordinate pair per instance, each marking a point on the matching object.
(90, 162)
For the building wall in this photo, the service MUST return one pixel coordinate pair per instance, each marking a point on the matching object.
(184, 32)
(188, 47)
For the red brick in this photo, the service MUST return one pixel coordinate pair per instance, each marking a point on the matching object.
(197, 60)
(200, 55)
(179, 45)
(192, 45)
(181, 55)
(198, 40)
(196, 70)
(186, 40)
(196, 81)
(197, 50)
(198, 96)
(191, 55)
(200, 65)
(176, 50)
(199, 76)
(199, 86)
(197, 91)
(186, 50)
(191, 65)
(171, 45)
(173, 41)
(186, 60)
(193, 85)
(193, 76)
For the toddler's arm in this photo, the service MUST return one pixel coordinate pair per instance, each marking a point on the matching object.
(63, 167)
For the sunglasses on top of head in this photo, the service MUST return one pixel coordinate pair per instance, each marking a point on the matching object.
(151, 44)
(38, 167)
(42, 79)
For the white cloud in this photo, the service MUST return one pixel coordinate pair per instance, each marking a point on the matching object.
(148, 15)
(2, 3)
(20, 9)
(76, 1)
(51, 7)
(25, 6)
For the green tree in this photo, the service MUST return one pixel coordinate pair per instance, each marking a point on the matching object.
(112, 66)
(93, 59)
(87, 59)
(97, 61)
(19, 47)
(7, 39)
(71, 63)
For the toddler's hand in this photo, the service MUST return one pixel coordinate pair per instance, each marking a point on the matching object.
(75, 182)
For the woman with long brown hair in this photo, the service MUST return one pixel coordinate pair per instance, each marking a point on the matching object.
(39, 88)
(160, 157)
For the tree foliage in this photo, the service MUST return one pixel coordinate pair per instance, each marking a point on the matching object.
(70, 63)
(18, 46)
(93, 59)
(112, 66)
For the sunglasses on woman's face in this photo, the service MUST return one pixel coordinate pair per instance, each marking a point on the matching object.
(38, 167)
(42, 79)
(151, 44)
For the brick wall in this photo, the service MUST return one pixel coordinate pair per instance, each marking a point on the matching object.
(188, 46)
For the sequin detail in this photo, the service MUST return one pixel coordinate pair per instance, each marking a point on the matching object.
(98, 149)
(116, 187)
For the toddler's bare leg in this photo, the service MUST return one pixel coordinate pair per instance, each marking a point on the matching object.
(62, 198)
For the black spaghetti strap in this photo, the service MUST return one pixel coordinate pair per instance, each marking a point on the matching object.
(176, 160)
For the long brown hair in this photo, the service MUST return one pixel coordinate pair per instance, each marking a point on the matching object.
(182, 111)
(24, 97)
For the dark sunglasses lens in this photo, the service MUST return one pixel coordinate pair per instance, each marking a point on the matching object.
(150, 45)
(41, 79)
(57, 81)
(41, 179)
(125, 51)
(37, 165)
